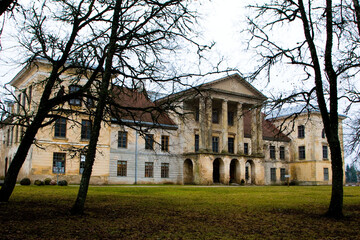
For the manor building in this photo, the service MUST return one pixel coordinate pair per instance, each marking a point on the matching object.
(220, 136)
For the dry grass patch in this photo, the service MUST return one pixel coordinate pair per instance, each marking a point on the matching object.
(179, 212)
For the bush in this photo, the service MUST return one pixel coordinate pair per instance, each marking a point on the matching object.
(63, 183)
(38, 182)
(47, 181)
(25, 182)
(242, 182)
(52, 182)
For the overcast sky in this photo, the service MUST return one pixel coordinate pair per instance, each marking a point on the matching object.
(220, 21)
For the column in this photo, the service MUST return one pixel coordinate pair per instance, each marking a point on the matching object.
(240, 129)
(202, 129)
(260, 145)
(209, 123)
(254, 136)
(224, 122)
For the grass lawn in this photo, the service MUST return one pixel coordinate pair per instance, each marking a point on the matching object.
(179, 212)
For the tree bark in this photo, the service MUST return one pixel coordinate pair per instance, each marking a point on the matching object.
(78, 207)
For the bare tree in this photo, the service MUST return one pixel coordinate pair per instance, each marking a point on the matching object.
(324, 56)
(132, 41)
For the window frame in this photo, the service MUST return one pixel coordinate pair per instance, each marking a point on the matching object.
(165, 167)
(197, 142)
(215, 116)
(272, 152)
(60, 128)
(325, 152)
(61, 158)
(282, 174)
(231, 118)
(122, 139)
(301, 131)
(231, 144)
(86, 126)
(149, 141)
(272, 174)
(215, 144)
(76, 101)
(246, 148)
(121, 168)
(302, 152)
(149, 170)
(282, 153)
(165, 139)
(326, 174)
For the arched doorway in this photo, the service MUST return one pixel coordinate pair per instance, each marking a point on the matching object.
(218, 171)
(188, 172)
(250, 172)
(234, 171)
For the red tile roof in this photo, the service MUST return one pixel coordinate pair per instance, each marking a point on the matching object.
(135, 106)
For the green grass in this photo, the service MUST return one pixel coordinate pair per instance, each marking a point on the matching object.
(179, 212)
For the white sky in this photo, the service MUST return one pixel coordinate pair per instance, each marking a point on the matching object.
(221, 21)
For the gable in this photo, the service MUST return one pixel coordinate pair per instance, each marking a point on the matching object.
(234, 84)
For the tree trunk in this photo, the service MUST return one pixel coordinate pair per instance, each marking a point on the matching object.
(19, 158)
(78, 207)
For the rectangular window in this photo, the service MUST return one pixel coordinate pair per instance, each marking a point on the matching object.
(85, 129)
(273, 174)
(282, 174)
(325, 152)
(272, 152)
(246, 148)
(18, 103)
(149, 169)
(121, 168)
(24, 99)
(215, 144)
(16, 133)
(122, 139)
(196, 143)
(282, 153)
(301, 131)
(60, 128)
(76, 100)
(149, 141)
(231, 144)
(231, 118)
(197, 114)
(164, 170)
(215, 116)
(302, 152)
(58, 162)
(82, 163)
(165, 143)
(326, 174)
(30, 94)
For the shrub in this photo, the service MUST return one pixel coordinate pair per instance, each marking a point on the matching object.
(242, 182)
(38, 182)
(25, 182)
(52, 182)
(63, 183)
(47, 181)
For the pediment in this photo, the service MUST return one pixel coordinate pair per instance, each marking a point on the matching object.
(234, 84)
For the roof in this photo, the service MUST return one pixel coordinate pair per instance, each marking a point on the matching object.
(295, 109)
(270, 131)
(209, 86)
(134, 107)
